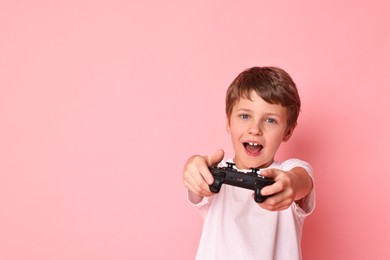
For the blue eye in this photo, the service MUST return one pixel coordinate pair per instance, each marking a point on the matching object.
(271, 120)
(244, 116)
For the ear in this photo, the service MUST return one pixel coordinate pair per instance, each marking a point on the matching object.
(289, 133)
(228, 130)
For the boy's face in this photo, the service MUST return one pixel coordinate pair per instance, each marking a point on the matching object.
(257, 128)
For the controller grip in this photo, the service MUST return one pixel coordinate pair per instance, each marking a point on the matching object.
(216, 186)
(258, 197)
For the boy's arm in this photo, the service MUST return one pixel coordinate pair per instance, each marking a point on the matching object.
(289, 186)
(197, 176)
(304, 182)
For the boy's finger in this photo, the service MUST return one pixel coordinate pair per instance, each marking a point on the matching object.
(270, 189)
(215, 158)
(206, 174)
(269, 173)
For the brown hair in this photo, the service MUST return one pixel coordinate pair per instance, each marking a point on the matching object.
(272, 84)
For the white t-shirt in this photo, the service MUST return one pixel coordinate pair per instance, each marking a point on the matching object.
(236, 227)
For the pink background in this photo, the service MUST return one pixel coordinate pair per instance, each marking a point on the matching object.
(101, 102)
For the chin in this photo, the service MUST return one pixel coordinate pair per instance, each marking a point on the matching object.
(254, 163)
(246, 165)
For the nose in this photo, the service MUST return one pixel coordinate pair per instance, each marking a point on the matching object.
(255, 129)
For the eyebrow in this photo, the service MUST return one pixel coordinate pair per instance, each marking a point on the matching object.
(244, 110)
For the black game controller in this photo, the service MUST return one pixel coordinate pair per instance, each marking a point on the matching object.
(251, 180)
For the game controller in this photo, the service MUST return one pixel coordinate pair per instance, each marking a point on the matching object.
(229, 175)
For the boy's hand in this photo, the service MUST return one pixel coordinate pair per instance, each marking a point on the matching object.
(197, 176)
(289, 186)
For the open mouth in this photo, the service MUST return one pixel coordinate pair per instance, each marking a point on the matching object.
(253, 148)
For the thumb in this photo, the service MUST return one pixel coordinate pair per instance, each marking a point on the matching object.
(215, 158)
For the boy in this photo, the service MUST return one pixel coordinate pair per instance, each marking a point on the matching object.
(262, 108)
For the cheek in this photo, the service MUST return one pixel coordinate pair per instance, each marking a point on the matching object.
(274, 137)
(235, 130)
(231, 127)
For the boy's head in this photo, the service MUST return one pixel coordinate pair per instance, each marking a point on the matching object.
(272, 84)
(262, 107)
